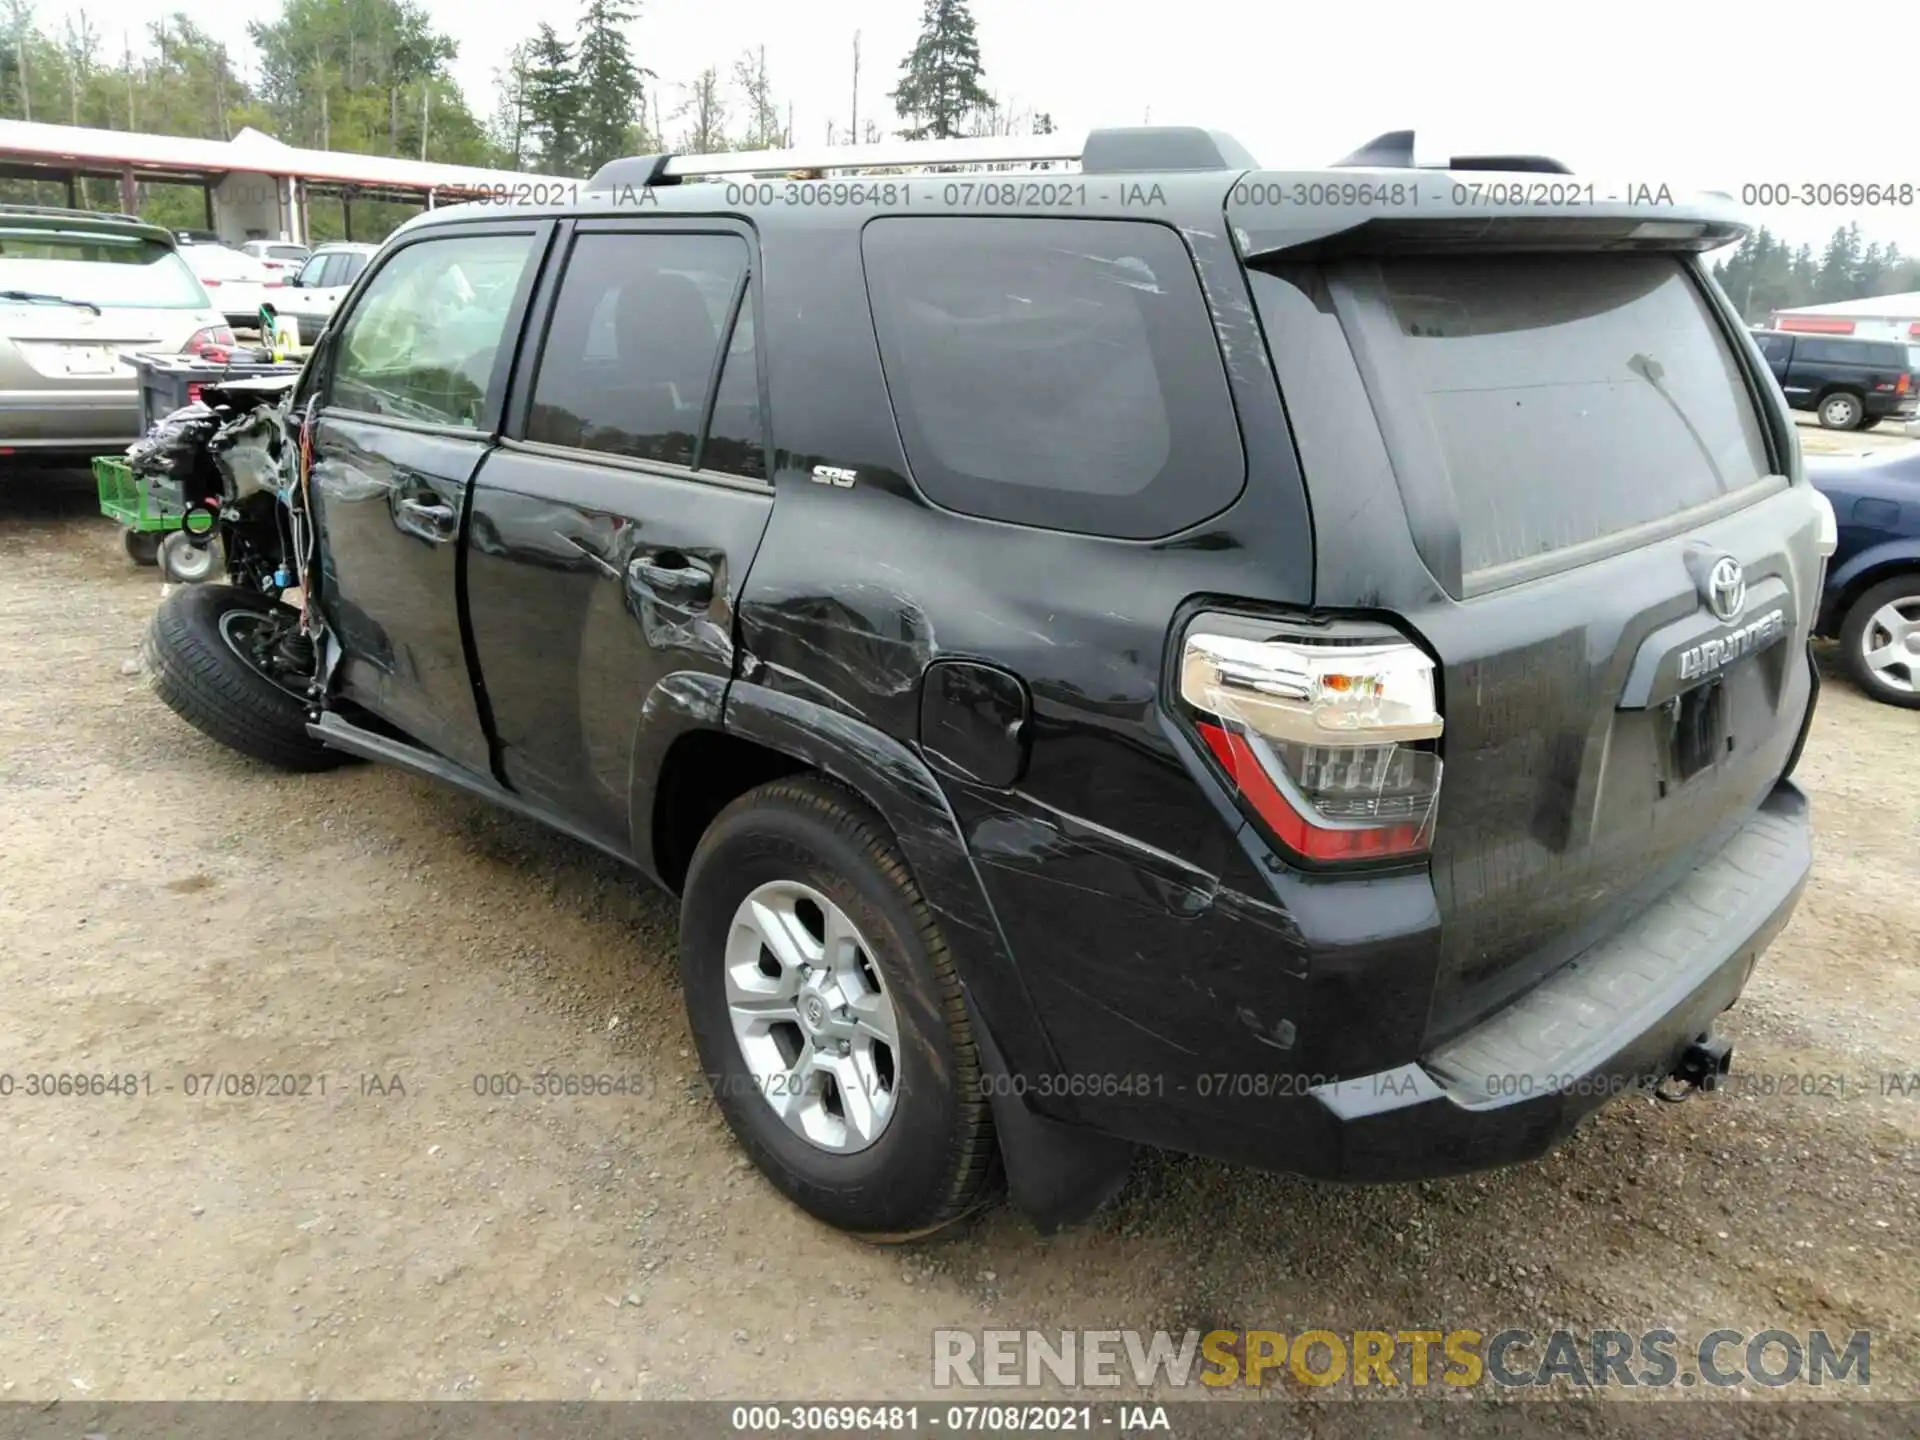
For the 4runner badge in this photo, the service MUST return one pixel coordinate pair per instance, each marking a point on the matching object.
(1716, 654)
(832, 475)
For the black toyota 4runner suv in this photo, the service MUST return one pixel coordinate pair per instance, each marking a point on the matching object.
(1296, 667)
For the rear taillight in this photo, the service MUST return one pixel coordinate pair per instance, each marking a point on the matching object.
(213, 337)
(1326, 732)
(210, 282)
(1906, 383)
(272, 284)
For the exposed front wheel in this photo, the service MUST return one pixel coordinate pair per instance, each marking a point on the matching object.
(1841, 411)
(1881, 641)
(828, 1016)
(232, 664)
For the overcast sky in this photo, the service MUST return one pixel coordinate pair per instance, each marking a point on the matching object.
(1712, 96)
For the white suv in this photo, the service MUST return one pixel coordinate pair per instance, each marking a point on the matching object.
(311, 297)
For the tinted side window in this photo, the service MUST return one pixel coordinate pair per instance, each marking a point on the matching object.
(421, 341)
(1060, 373)
(310, 273)
(348, 268)
(1775, 347)
(1835, 352)
(630, 349)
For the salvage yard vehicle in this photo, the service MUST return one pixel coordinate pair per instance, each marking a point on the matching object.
(1848, 384)
(1872, 600)
(315, 289)
(1300, 667)
(80, 294)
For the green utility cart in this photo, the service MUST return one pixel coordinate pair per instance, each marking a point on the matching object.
(149, 521)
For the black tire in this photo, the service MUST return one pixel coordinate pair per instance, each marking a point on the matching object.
(1841, 410)
(1853, 635)
(936, 1160)
(206, 682)
(142, 546)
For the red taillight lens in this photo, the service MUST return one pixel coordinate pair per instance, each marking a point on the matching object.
(213, 337)
(272, 284)
(211, 284)
(1906, 383)
(1325, 732)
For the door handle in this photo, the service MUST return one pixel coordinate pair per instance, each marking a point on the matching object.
(429, 519)
(672, 575)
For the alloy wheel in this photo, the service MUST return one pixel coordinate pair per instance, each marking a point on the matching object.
(812, 1017)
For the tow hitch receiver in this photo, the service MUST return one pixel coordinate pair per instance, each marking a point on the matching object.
(1700, 1067)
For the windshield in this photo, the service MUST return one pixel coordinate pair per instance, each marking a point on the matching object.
(122, 271)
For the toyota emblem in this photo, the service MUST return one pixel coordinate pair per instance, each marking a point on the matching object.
(1726, 588)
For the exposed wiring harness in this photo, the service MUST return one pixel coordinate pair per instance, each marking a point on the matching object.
(301, 515)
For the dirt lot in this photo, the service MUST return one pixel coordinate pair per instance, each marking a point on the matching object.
(169, 909)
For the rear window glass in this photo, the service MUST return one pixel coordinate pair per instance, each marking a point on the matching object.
(122, 271)
(1565, 397)
(1058, 373)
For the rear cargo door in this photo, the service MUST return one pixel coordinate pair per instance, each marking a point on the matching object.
(1563, 471)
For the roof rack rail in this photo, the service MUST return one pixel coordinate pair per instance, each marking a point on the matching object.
(1394, 151)
(7, 207)
(1110, 151)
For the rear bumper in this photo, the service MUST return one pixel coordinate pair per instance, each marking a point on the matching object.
(101, 421)
(1607, 1023)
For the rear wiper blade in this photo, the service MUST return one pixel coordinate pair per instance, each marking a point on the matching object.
(37, 298)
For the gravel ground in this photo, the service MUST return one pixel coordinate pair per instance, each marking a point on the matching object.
(169, 909)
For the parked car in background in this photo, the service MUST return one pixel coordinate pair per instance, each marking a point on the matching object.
(197, 237)
(79, 293)
(237, 282)
(1872, 600)
(1849, 384)
(311, 296)
(278, 255)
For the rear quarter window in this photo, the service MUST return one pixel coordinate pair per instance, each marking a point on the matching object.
(1054, 373)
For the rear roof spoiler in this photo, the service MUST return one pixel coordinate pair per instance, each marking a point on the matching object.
(1394, 151)
(1347, 231)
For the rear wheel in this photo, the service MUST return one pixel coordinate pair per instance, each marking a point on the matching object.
(1841, 411)
(1881, 641)
(233, 665)
(142, 546)
(828, 1015)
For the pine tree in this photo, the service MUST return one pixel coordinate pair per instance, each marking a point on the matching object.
(1837, 266)
(612, 100)
(550, 100)
(940, 78)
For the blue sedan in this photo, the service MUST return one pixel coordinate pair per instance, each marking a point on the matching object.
(1872, 600)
